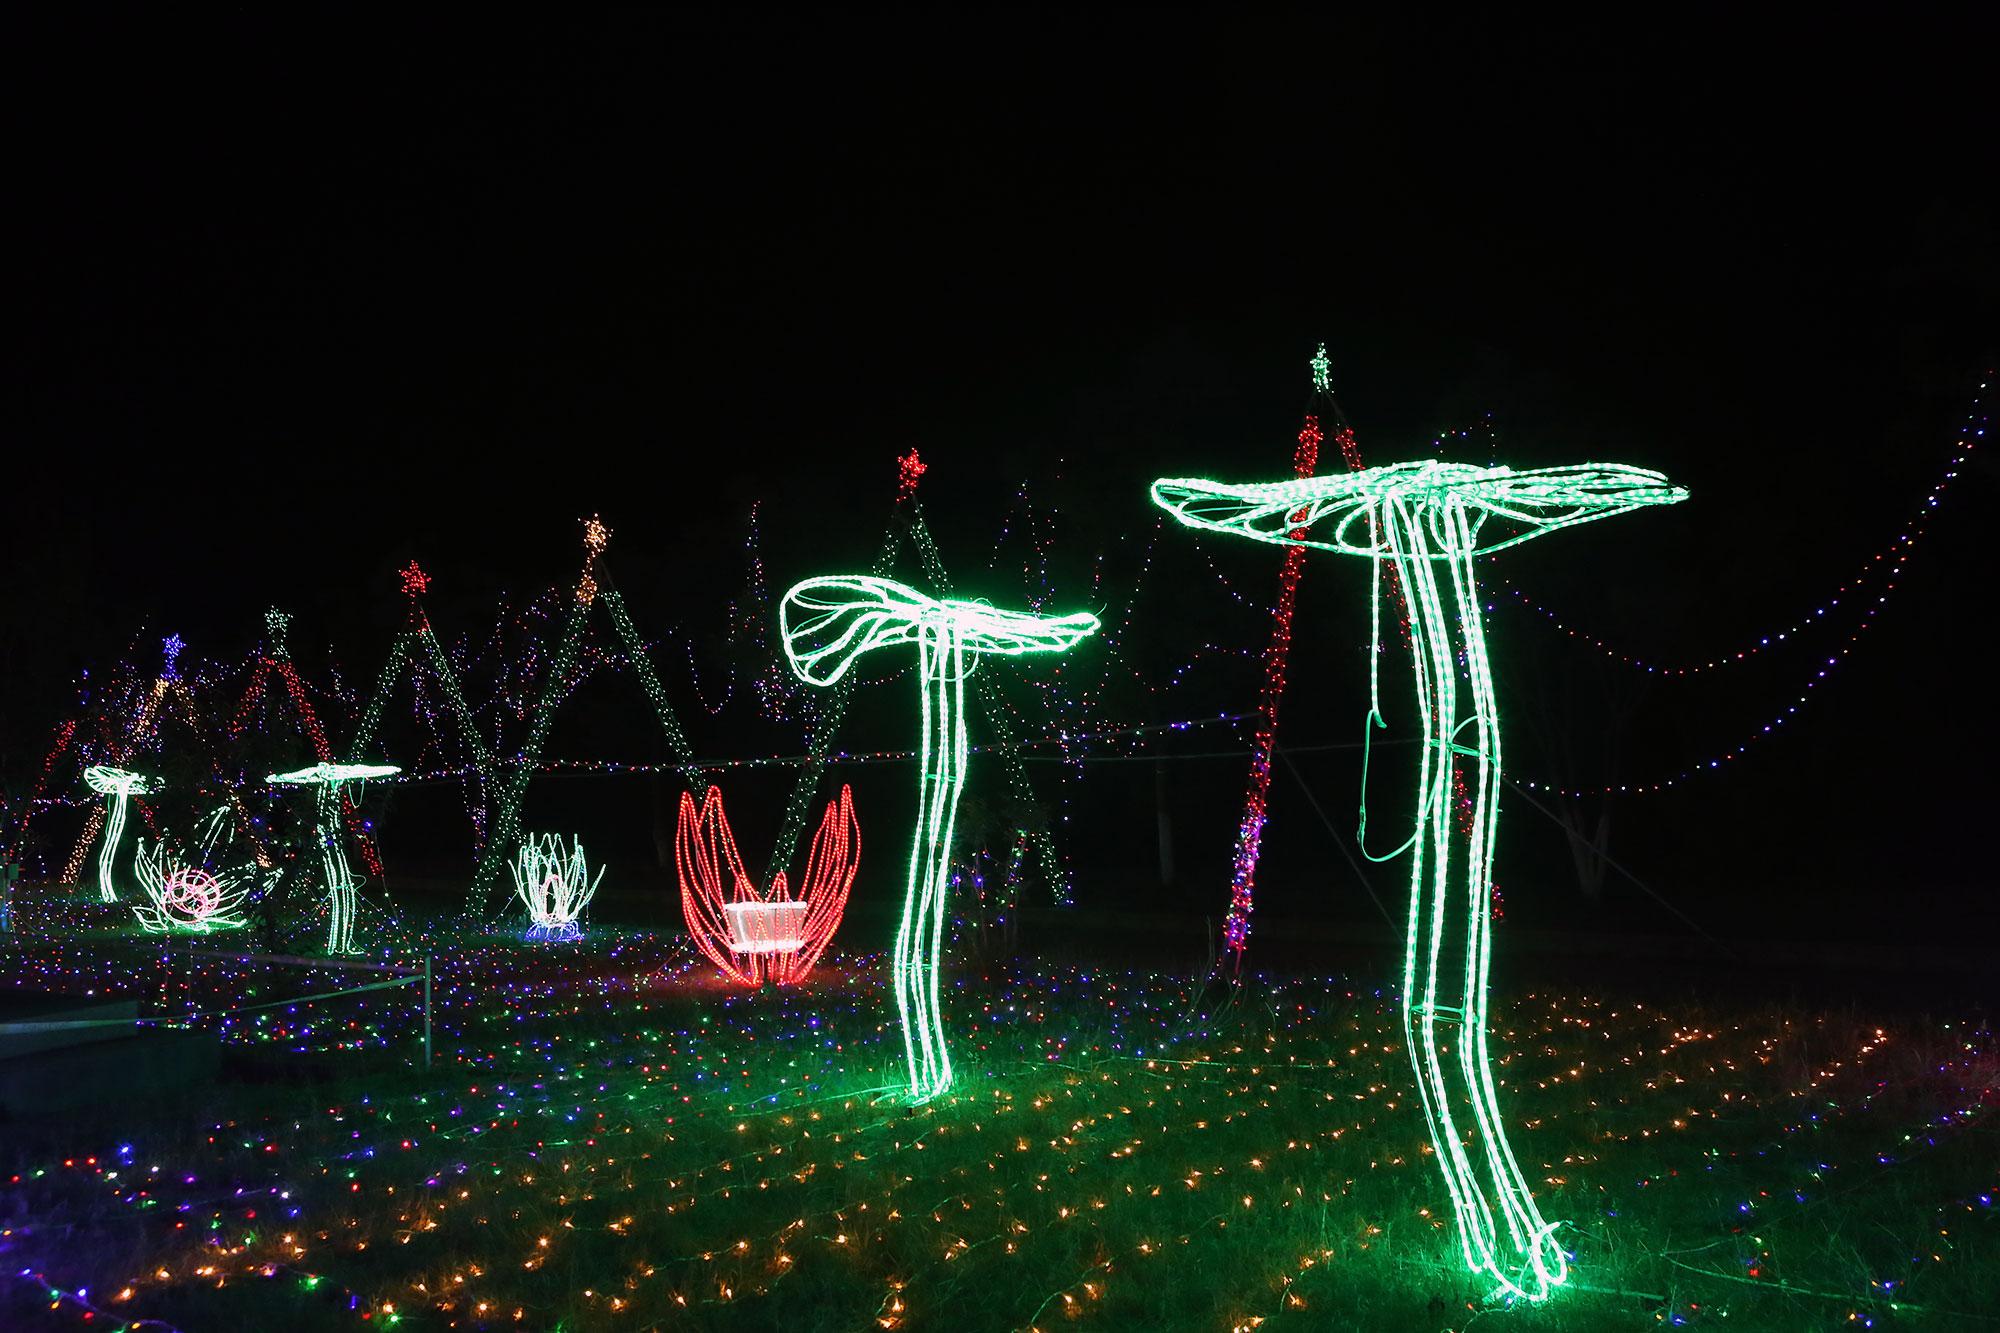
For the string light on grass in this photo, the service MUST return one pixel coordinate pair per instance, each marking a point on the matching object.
(828, 623)
(1423, 517)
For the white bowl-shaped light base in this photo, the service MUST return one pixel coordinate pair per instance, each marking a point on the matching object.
(755, 927)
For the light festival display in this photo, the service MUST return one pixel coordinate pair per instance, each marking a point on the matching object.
(327, 780)
(1430, 521)
(416, 646)
(145, 719)
(775, 935)
(192, 896)
(554, 883)
(830, 708)
(827, 624)
(276, 656)
(592, 585)
(119, 785)
(1277, 660)
(995, 708)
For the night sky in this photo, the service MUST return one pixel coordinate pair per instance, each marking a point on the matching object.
(296, 299)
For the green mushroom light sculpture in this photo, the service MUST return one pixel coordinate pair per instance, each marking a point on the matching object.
(827, 624)
(326, 780)
(120, 785)
(1430, 520)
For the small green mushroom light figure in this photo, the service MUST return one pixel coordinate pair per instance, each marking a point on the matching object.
(828, 623)
(326, 781)
(1430, 520)
(120, 785)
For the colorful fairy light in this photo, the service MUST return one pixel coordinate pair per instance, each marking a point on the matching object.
(554, 883)
(120, 785)
(1116, 1144)
(1883, 565)
(828, 623)
(327, 780)
(1888, 565)
(1419, 516)
(764, 936)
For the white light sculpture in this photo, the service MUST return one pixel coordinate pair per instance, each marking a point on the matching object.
(555, 884)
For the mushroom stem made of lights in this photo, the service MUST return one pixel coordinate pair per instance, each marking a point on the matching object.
(827, 623)
(326, 780)
(120, 785)
(1429, 519)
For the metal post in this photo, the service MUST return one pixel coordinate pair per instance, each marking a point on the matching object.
(427, 1011)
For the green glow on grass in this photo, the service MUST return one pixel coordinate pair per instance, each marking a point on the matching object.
(326, 780)
(829, 622)
(1424, 517)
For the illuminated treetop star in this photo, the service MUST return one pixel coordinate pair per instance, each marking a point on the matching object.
(171, 647)
(415, 582)
(908, 469)
(596, 536)
(336, 773)
(109, 781)
(1341, 510)
(276, 622)
(829, 622)
(1322, 371)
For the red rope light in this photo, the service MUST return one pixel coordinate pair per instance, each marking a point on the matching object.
(773, 937)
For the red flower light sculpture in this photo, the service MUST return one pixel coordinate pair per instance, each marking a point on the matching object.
(775, 936)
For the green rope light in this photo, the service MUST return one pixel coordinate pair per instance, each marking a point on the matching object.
(1430, 520)
(120, 785)
(326, 780)
(828, 623)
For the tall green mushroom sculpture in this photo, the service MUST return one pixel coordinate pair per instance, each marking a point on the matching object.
(1431, 519)
(326, 780)
(120, 785)
(829, 622)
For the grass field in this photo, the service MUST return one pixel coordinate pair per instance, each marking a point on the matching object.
(608, 1139)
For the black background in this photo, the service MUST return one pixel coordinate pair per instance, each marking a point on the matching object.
(294, 299)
